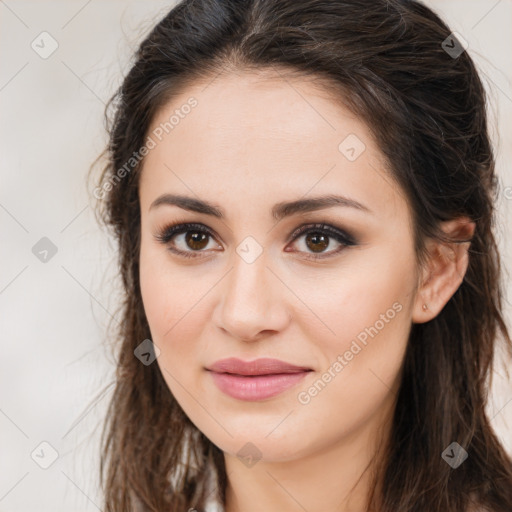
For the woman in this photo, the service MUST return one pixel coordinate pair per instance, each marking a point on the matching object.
(303, 196)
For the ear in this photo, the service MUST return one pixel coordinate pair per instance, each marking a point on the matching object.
(444, 269)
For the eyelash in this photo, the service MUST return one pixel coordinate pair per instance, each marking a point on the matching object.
(341, 237)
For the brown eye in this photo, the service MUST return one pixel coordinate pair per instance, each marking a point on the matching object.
(318, 238)
(317, 242)
(196, 240)
(188, 240)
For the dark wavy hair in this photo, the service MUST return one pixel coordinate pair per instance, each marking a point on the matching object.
(426, 107)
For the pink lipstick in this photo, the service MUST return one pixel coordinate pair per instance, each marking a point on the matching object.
(255, 380)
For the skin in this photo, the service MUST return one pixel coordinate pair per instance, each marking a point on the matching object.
(252, 141)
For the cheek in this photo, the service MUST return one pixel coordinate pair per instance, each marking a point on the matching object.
(156, 291)
(362, 361)
(170, 299)
(174, 300)
(368, 314)
(368, 296)
(168, 293)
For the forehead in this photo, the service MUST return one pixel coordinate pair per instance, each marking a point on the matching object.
(256, 138)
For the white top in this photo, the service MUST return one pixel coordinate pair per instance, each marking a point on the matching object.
(212, 502)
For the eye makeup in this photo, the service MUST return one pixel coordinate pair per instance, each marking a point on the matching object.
(315, 231)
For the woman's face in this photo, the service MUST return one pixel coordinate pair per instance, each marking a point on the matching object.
(248, 145)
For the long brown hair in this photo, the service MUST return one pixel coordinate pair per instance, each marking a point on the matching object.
(393, 63)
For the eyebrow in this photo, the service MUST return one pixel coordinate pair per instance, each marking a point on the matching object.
(279, 210)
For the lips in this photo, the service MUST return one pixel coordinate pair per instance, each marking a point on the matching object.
(255, 380)
(262, 366)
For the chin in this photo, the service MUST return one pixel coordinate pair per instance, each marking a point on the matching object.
(257, 445)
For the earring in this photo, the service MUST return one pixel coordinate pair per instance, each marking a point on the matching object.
(425, 307)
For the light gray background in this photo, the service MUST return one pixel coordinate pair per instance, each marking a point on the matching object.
(53, 315)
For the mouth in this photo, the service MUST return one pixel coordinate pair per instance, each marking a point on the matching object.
(262, 366)
(255, 380)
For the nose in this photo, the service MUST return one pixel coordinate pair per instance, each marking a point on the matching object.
(251, 304)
